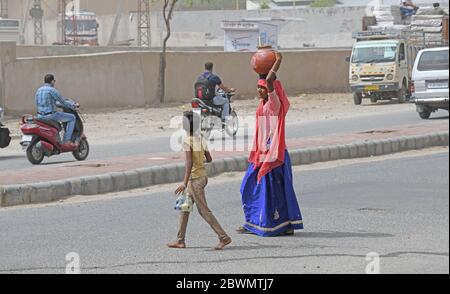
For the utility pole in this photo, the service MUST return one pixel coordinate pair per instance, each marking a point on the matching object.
(62, 14)
(37, 14)
(4, 8)
(144, 23)
(25, 18)
(119, 12)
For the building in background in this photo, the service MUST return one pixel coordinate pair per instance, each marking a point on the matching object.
(9, 30)
(199, 25)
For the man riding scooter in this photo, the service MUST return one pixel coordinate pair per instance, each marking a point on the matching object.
(42, 134)
(47, 100)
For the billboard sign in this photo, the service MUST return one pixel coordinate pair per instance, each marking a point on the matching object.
(246, 36)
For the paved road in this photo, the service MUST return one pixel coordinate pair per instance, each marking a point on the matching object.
(398, 208)
(122, 148)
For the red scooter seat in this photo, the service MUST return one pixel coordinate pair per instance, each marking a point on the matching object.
(50, 123)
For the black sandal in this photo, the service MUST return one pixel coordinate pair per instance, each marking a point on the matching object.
(289, 232)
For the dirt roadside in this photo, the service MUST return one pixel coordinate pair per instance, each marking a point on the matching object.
(109, 124)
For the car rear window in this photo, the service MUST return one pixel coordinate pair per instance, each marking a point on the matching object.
(433, 60)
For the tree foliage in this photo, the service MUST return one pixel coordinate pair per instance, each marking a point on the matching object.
(264, 5)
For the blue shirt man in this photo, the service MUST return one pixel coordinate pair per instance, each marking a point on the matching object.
(407, 8)
(218, 100)
(47, 98)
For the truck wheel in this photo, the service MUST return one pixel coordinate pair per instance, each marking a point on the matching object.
(425, 113)
(357, 98)
(374, 100)
(403, 94)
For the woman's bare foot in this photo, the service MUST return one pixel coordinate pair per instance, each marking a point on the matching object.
(242, 230)
(177, 245)
(223, 243)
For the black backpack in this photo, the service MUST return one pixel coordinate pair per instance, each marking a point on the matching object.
(204, 88)
(5, 139)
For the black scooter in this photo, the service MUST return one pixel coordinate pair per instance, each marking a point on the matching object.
(211, 116)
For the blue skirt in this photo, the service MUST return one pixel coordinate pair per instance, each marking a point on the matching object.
(271, 206)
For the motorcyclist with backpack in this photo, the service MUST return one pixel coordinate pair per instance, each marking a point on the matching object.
(205, 89)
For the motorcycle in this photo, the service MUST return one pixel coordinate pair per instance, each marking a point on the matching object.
(5, 137)
(212, 115)
(44, 138)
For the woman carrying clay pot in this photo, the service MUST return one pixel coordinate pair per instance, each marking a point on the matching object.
(268, 197)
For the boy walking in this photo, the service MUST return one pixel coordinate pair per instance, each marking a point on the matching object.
(195, 180)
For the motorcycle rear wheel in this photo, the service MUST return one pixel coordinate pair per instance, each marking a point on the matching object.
(35, 154)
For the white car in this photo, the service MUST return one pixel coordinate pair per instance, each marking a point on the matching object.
(430, 81)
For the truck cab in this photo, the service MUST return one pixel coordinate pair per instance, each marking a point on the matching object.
(81, 28)
(380, 68)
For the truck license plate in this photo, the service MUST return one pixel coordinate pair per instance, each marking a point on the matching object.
(372, 88)
(437, 85)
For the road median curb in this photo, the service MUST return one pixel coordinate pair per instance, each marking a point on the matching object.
(21, 194)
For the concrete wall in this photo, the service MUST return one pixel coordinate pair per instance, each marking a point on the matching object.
(96, 81)
(308, 71)
(130, 78)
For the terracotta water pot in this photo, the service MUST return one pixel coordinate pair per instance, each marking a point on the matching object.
(263, 60)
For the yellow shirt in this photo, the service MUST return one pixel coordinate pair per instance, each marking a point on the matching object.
(198, 147)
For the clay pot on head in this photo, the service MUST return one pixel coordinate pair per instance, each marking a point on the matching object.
(263, 60)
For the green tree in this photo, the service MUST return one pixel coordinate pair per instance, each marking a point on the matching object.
(264, 5)
(167, 15)
(167, 10)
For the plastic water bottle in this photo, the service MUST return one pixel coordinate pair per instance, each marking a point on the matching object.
(188, 205)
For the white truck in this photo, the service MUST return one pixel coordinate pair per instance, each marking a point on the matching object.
(81, 28)
(383, 58)
(381, 65)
